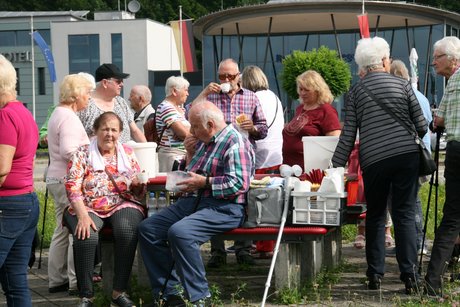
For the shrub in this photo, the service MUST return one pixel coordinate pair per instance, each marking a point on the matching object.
(335, 71)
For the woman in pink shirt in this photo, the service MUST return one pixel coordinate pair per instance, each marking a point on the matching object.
(19, 207)
(65, 134)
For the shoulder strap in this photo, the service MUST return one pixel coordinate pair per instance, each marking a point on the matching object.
(386, 109)
(119, 191)
(276, 112)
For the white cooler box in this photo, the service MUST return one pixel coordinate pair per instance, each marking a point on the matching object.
(315, 208)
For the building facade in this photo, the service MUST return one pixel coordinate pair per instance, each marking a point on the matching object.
(143, 48)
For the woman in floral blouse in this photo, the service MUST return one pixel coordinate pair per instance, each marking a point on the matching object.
(95, 201)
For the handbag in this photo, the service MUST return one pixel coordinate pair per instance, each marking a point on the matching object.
(427, 166)
(132, 200)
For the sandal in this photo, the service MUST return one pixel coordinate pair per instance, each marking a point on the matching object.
(389, 242)
(97, 277)
(360, 242)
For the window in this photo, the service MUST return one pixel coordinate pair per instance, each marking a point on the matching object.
(41, 81)
(117, 50)
(83, 53)
(21, 38)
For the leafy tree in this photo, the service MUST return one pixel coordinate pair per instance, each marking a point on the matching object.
(326, 62)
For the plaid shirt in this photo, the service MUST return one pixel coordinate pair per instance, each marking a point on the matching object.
(244, 101)
(449, 108)
(229, 160)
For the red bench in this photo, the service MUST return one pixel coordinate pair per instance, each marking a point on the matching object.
(305, 249)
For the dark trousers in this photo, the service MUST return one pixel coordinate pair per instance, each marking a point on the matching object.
(124, 223)
(449, 229)
(397, 175)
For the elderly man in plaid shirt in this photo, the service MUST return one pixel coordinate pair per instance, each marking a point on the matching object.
(172, 238)
(242, 108)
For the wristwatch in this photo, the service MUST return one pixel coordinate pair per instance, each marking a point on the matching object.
(208, 183)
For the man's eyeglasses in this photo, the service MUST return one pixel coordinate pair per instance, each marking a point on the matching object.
(230, 77)
(437, 57)
(117, 81)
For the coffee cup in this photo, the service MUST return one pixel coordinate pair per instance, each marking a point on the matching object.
(143, 177)
(225, 87)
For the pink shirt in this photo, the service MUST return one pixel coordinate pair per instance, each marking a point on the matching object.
(18, 129)
(65, 134)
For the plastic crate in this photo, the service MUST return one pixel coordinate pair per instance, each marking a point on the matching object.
(315, 208)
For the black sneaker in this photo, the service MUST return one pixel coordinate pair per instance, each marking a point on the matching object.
(245, 259)
(413, 286)
(374, 282)
(174, 301)
(204, 302)
(217, 261)
(122, 301)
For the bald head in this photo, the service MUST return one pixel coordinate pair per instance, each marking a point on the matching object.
(139, 97)
(206, 120)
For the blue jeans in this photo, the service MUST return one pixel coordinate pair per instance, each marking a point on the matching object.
(449, 228)
(174, 236)
(18, 223)
(397, 175)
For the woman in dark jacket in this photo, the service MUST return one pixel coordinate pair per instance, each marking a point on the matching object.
(388, 155)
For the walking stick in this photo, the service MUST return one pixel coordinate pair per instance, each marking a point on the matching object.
(288, 185)
(435, 178)
(44, 220)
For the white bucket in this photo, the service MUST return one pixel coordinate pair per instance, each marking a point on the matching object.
(147, 157)
(318, 151)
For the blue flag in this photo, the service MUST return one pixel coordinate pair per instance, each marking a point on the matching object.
(46, 53)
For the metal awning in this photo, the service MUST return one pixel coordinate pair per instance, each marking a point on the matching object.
(309, 16)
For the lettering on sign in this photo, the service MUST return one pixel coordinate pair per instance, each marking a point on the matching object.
(19, 56)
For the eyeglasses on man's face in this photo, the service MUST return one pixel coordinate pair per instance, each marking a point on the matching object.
(117, 81)
(230, 77)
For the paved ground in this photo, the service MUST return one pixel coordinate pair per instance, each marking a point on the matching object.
(350, 290)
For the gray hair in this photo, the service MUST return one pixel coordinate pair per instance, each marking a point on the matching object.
(228, 60)
(399, 69)
(254, 79)
(177, 83)
(143, 91)
(8, 77)
(208, 114)
(370, 52)
(450, 45)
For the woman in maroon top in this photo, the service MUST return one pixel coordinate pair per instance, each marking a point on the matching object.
(313, 117)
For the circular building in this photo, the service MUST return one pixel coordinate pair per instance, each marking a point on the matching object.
(264, 34)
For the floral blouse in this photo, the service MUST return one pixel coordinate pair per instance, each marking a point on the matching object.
(95, 187)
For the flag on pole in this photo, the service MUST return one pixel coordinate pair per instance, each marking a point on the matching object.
(364, 26)
(188, 44)
(46, 53)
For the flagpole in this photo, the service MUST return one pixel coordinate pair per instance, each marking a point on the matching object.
(33, 63)
(363, 8)
(180, 41)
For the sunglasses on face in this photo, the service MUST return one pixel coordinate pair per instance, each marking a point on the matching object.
(230, 77)
(117, 81)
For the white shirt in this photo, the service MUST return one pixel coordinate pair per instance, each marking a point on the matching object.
(269, 150)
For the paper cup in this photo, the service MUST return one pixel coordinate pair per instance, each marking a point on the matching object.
(296, 170)
(302, 186)
(143, 177)
(286, 171)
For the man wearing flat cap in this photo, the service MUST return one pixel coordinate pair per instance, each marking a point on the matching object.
(106, 97)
